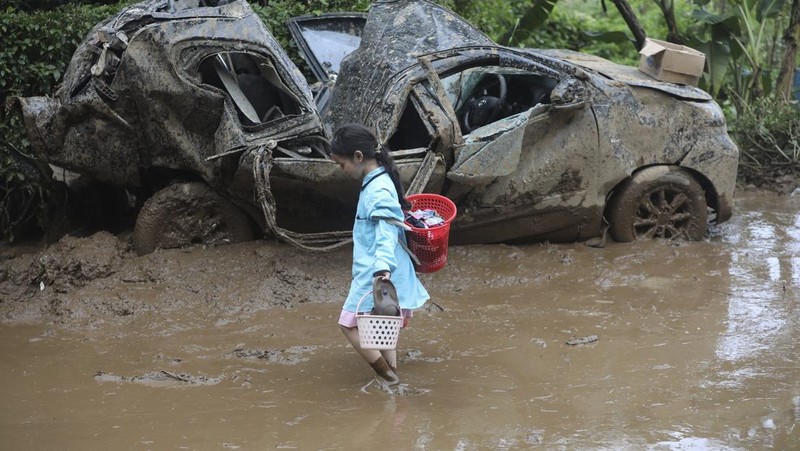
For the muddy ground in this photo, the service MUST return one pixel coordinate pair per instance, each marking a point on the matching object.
(652, 345)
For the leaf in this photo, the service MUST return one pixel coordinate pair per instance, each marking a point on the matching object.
(709, 18)
(769, 9)
(717, 61)
(609, 36)
(534, 16)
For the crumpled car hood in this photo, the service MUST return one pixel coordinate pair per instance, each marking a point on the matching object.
(147, 107)
(397, 32)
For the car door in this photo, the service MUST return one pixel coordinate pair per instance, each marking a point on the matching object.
(522, 172)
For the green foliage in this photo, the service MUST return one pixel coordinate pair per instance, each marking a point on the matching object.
(39, 45)
(741, 46)
(604, 32)
(493, 17)
(581, 25)
(545, 24)
(41, 5)
(768, 129)
(36, 51)
(596, 25)
(522, 23)
(601, 33)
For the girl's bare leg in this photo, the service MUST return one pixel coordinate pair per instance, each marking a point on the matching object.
(391, 357)
(370, 355)
(382, 366)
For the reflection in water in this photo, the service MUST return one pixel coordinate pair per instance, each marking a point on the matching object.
(692, 444)
(760, 270)
(761, 336)
(796, 268)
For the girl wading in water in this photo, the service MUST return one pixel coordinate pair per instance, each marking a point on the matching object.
(377, 252)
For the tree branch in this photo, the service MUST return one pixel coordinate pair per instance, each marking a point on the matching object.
(633, 22)
(786, 75)
(668, 10)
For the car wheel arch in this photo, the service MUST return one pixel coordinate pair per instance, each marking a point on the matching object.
(645, 174)
(712, 197)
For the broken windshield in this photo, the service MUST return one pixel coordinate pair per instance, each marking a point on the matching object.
(325, 40)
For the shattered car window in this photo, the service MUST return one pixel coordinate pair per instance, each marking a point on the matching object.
(253, 84)
(330, 42)
(483, 95)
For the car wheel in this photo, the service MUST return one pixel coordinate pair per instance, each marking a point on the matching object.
(188, 213)
(658, 202)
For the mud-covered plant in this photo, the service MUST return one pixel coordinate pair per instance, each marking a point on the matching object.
(768, 134)
(21, 195)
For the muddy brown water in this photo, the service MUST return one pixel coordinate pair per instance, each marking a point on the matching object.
(684, 346)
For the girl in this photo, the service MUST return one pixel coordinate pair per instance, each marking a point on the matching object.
(376, 249)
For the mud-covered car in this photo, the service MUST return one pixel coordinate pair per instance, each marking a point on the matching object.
(198, 112)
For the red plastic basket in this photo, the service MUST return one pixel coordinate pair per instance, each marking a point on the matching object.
(430, 245)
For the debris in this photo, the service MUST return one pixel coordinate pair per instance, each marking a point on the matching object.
(159, 379)
(582, 340)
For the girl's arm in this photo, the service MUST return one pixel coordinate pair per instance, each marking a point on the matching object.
(384, 206)
(385, 244)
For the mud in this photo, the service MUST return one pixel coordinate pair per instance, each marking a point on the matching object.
(651, 345)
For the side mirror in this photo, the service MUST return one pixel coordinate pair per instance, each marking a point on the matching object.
(570, 93)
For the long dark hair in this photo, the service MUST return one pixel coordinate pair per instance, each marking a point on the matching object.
(351, 137)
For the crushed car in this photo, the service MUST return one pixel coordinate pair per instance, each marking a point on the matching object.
(195, 109)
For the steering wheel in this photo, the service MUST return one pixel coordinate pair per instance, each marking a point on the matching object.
(484, 108)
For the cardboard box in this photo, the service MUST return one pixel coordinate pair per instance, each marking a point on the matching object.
(672, 63)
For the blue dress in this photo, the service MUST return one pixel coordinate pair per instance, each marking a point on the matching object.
(376, 247)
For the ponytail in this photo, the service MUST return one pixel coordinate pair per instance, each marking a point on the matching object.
(351, 137)
(385, 159)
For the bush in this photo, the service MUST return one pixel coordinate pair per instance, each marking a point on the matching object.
(42, 5)
(768, 134)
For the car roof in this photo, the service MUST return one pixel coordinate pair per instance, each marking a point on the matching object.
(395, 35)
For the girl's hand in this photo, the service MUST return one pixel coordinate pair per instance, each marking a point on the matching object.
(381, 275)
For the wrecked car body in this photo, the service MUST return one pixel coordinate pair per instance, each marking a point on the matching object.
(530, 144)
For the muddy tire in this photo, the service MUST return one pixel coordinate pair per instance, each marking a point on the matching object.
(658, 202)
(189, 213)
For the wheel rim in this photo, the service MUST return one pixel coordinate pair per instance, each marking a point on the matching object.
(663, 213)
